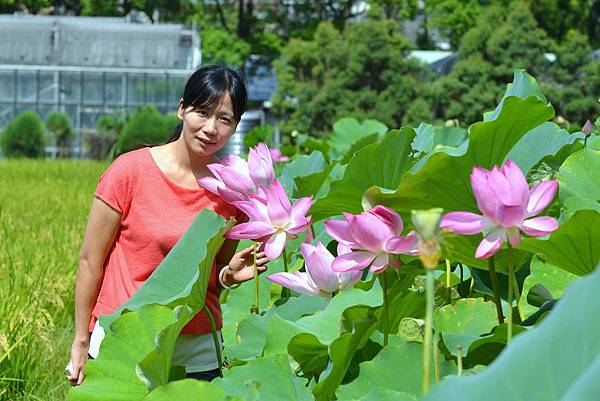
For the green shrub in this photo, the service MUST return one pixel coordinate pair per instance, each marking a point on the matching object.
(59, 126)
(108, 130)
(24, 136)
(145, 127)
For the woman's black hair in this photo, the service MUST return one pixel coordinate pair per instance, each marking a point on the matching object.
(205, 88)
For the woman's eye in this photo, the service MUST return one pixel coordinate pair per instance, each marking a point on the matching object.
(202, 113)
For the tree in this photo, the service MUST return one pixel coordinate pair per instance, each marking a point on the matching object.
(59, 125)
(362, 72)
(145, 127)
(24, 136)
(489, 53)
(453, 18)
(575, 84)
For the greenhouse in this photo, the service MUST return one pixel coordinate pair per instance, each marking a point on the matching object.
(91, 66)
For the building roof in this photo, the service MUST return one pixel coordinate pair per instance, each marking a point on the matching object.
(96, 42)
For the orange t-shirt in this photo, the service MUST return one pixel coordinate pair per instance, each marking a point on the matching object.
(155, 212)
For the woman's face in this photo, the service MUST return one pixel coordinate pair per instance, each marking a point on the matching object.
(205, 131)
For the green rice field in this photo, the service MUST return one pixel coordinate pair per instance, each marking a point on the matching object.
(43, 212)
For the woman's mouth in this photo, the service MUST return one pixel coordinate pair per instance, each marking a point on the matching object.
(205, 141)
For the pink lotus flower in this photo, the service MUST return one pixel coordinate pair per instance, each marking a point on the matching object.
(373, 235)
(507, 204)
(235, 179)
(318, 279)
(277, 156)
(272, 219)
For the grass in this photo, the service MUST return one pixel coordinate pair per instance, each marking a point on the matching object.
(43, 212)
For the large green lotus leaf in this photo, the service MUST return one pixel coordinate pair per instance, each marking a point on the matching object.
(318, 184)
(133, 338)
(358, 145)
(301, 166)
(182, 276)
(547, 363)
(382, 394)
(358, 324)
(553, 278)
(486, 349)
(347, 131)
(395, 368)
(381, 164)
(325, 325)
(250, 338)
(464, 322)
(587, 386)
(444, 180)
(311, 355)
(155, 368)
(574, 246)
(238, 304)
(579, 181)
(251, 331)
(275, 380)
(188, 389)
(523, 85)
(297, 307)
(429, 137)
(547, 139)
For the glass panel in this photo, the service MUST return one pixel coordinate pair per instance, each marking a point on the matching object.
(72, 111)
(27, 86)
(92, 88)
(135, 89)
(48, 86)
(44, 110)
(156, 89)
(90, 116)
(115, 88)
(7, 86)
(176, 86)
(70, 87)
(6, 114)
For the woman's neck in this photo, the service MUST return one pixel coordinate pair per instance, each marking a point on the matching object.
(185, 159)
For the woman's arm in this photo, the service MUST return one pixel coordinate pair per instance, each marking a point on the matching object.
(102, 227)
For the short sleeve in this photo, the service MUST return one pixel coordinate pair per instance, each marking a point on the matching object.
(115, 186)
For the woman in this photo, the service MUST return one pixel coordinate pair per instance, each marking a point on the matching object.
(143, 204)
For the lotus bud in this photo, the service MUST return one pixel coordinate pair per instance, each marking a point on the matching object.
(587, 128)
(427, 224)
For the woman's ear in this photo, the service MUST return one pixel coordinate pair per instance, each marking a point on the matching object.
(180, 109)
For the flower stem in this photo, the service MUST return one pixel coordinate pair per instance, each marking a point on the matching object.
(255, 308)
(428, 333)
(510, 293)
(518, 297)
(459, 360)
(495, 289)
(285, 292)
(448, 281)
(215, 336)
(386, 329)
(436, 358)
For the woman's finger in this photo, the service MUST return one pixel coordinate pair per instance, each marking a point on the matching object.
(261, 269)
(262, 261)
(246, 251)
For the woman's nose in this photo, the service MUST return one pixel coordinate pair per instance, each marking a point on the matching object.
(210, 127)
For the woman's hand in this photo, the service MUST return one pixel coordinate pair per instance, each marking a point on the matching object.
(79, 355)
(241, 266)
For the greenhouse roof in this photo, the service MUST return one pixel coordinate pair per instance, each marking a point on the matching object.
(96, 42)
